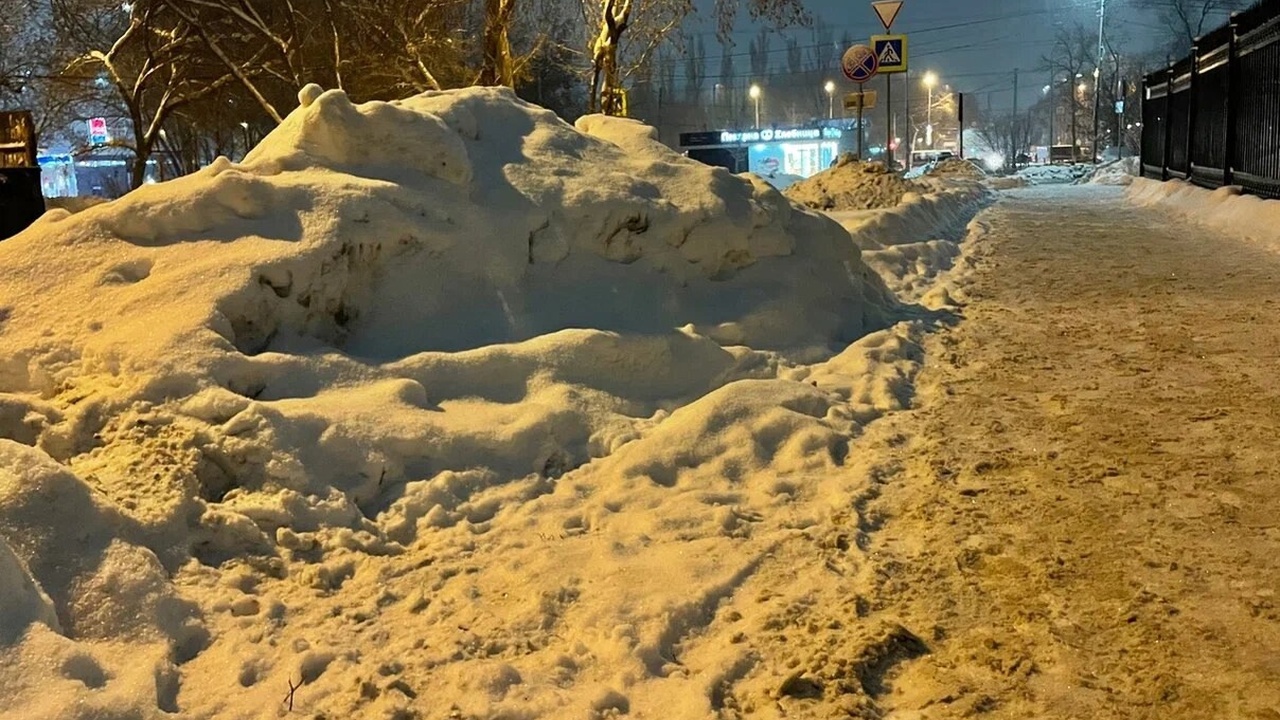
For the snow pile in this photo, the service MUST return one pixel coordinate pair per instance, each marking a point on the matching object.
(1054, 174)
(1225, 209)
(912, 244)
(438, 399)
(852, 185)
(1120, 172)
(956, 168)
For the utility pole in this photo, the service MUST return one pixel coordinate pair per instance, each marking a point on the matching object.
(1097, 78)
(1017, 122)
(911, 128)
(888, 115)
(1122, 98)
(1053, 114)
(929, 114)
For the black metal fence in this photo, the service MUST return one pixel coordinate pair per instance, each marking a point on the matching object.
(1213, 118)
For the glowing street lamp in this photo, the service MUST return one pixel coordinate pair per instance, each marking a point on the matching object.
(930, 81)
(754, 92)
(830, 87)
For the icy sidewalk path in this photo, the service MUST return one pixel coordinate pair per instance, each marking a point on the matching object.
(1083, 520)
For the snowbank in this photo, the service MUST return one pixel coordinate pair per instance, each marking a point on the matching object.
(1225, 209)
(912, 244)
(956, 168)
(1120, 172)
(1054, 174)
(438, 399)
(852, 185)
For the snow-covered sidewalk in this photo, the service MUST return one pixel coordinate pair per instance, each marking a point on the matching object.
(1082, 520)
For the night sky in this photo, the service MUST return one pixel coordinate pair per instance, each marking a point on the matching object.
(974, 45)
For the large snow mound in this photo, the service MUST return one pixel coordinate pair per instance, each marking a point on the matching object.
(443, 378)
(852, 185)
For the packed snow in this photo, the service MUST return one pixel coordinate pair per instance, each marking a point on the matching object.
(433, 408)
(1226, 209)
(852, 185)
(1120, 172)
(1053, 174)
(954, 167)
(782, 181)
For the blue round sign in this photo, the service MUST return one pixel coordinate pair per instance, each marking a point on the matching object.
(860, 63)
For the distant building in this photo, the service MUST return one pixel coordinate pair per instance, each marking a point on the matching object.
(801, 151)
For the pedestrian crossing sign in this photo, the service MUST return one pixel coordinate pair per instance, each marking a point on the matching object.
(891, 51)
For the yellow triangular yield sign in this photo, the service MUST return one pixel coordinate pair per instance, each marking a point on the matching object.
(888, 12)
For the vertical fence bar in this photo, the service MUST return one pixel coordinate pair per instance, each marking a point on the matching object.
(1233, 97)
(1193, 107)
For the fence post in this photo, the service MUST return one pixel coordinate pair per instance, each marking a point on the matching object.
(1193, 104)
(1233, 92)
(1164, 126)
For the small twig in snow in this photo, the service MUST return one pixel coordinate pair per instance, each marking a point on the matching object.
(292, 689)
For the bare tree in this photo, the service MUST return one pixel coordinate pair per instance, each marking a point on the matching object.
(1186, 20)
(28, 64)
(795, 57)
(497, 65)
(727, 87)
(148, 55)
(759, 53)
(667, 70)
(404, 47)
(695, 68)
(1071, 59)
(649, 22)
(646, 24)
(822, 51)
(20, 38)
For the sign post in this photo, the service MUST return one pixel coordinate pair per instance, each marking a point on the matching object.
(891, 54)
(859, 65)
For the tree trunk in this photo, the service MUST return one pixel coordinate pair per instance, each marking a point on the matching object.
(605, 57)
(610, 93)
(138, 170)
(497, 67)
(1075, 125)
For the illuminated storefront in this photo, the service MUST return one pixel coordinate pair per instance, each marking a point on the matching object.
(800, 151)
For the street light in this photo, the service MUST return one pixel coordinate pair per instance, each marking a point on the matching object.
(930, 80)
(754, 92)
(1097, 73)
(830, 87)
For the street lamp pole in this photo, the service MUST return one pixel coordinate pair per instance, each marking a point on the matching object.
(755, 95)
(1097, 78)
(930, 79)
(830, 87)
